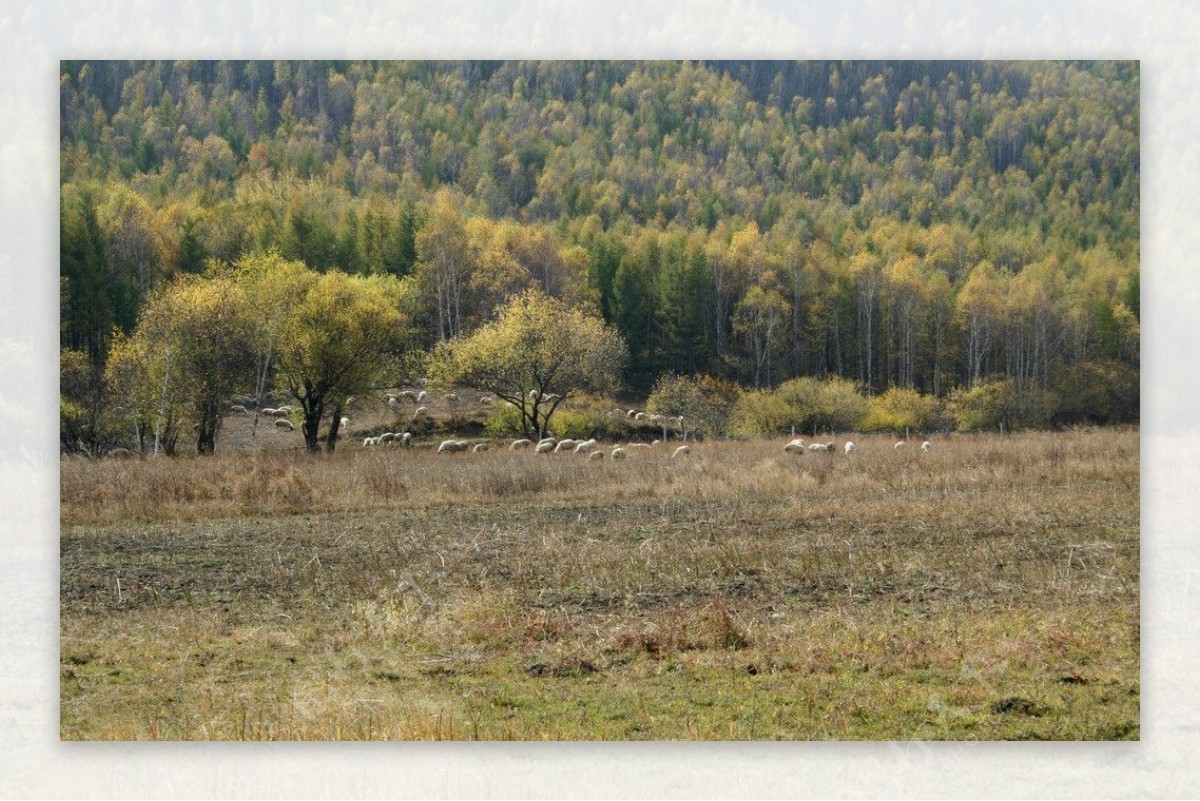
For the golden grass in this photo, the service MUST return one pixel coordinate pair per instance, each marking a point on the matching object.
(985, 590)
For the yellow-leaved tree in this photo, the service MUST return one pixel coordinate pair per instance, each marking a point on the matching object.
(342, 336)
(535, 355)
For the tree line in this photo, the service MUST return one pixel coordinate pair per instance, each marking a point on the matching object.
(922, 225)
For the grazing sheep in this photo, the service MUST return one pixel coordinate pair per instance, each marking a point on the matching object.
(408, 393)
(237, 407)
(632, 413)
(595, 456)
(551, 440)
(534, 394)
(368, 442)
(641, 417)
(544, 447)
(451, 397)
(406, 440)
(682, 450)
(817, 447)
(900, 444)
(486, 400)
(344, 422)
(386, 436)
(675, 421)
(657, 418)
(518, 444)
(421, 396)
(421, 411)
(285, 410)
(850, 448)
(393, 401)
(655, 442)
(926, 447)
(586, 446)
(565, 444)
(795, 446)
(480, 448)
(619, 453)
(453, 446)
(284, 424)
(267, 411)
(640, 445)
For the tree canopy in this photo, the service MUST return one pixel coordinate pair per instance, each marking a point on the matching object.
(914, 224)
(537, 353)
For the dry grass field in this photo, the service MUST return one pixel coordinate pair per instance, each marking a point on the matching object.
(988, 589)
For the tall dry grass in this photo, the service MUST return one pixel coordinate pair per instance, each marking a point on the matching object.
(986, 589)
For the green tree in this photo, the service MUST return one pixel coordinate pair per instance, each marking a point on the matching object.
(535, 355)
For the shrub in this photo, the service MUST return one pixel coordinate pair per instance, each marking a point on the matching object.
(998, 403)
(803, 404)
(899, 410)
(1097, 392)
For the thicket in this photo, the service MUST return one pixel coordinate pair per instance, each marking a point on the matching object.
(929, 226)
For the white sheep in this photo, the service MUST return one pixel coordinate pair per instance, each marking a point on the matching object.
(406, 440)
(682, 450)
(386, 436)
(408, 393)
(393, 402)
(550, 440)
(267, 411)
(237, 407)
(795, 446)
(640, 445)
(421, 411)
(480, 448)
(899, 445)
(368, 442)
(344, 422)
(544, 447)
(453, 446)
(518, 444)
(641, 417)
(451, 397)
(619, 453)
(818, 447)
(486, 400)
(657, 418)
(586, 446)
(595, 456)
(420, 396)
(632, 413)
(850, 448)
(655, 442)
(565, 444)
(926, 446)
(284, 424)
(534, 395)
(284, 410)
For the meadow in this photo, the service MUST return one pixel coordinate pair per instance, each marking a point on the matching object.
(988, 589)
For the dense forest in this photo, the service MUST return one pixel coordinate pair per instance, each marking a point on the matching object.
(925, 226)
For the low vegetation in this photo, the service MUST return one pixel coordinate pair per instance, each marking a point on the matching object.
(987, 589)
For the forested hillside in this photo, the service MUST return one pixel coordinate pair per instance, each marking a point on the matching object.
(931, 226)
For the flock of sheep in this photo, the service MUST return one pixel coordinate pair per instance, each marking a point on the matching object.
(797, 446)
(590, 447)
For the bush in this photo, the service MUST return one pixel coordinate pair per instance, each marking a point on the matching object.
(807, 405)
(1097, 392)
(997, 403)
(900, 410)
